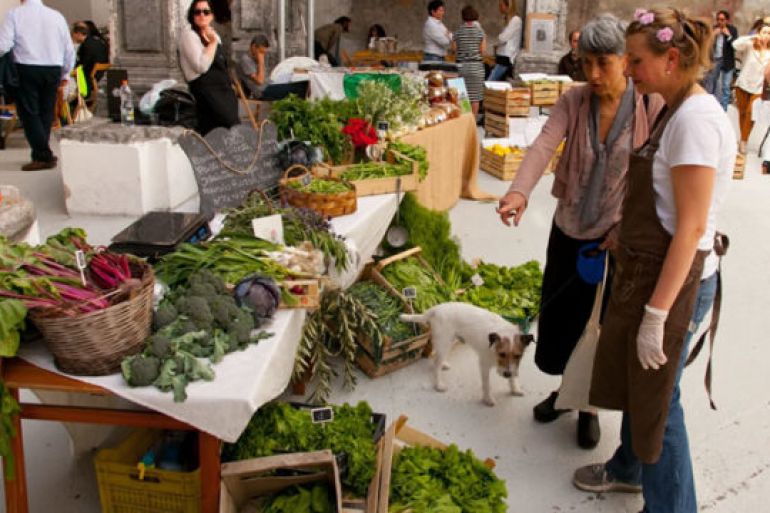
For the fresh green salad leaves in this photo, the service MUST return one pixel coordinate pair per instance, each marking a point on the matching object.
(428, 480)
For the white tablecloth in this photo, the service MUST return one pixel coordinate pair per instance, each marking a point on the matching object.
(246, 380)
(327, 84)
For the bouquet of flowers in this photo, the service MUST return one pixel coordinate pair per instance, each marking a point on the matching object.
(361, 133)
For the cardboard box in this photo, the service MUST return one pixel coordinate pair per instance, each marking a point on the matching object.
(248, 479)
(398, 436)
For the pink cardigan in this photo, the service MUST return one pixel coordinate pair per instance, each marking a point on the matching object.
(569, 119)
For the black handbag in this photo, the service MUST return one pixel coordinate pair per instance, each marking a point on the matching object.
(176, 107)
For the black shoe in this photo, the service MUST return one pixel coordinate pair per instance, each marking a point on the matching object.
(588, 430)
(544, 411)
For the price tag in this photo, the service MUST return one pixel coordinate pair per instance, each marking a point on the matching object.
(322, 415)
(383, 126)
(269, 228)
(410, 292)
(80, 261)
(477, 280)
(305, 180)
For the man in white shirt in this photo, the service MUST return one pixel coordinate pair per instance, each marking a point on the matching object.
(436, 36)
(42, 48)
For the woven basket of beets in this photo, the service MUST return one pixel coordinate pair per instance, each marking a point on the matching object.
(339, 201)
(94, 343)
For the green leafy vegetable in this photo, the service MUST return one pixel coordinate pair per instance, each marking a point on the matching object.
(414, 152)
(411, 273)
(12, 315)
(387, 309)
(428, 480)
(301, 499)
(280, 428)
(513, 292)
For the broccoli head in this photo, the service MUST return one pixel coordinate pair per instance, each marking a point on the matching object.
(160, 345)
(207, 277)
(140, 370)
(163, 316)
(240, 328)
(201, 289)
(224, 310)
(197, 310)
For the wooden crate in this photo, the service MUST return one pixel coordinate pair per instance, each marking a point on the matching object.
(509, 102)
(309, 298)
(544, 93)
(495, 125)
(376, 186)
(566, 86)
(503, 167)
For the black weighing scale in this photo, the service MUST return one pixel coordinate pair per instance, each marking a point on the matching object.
(157, 233)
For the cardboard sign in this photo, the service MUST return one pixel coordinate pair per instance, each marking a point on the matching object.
(269, 228)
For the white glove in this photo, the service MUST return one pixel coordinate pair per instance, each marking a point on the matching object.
(649, 341)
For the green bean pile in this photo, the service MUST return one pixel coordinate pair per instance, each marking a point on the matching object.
(370, 170)
(320, 186)
(414, 152)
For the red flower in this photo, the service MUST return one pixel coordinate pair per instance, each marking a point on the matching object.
(361, 133)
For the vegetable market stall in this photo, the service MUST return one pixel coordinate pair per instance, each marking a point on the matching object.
(453, 157)
(221, 409)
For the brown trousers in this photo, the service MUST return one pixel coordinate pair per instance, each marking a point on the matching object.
(744, 101)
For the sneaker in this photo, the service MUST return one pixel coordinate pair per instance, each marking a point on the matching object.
(37, 165)
(594, 478)
(545, 411)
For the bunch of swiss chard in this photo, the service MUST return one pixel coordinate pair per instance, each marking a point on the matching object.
(299, 225)
(411, 273)
(513, 292)
(280, 428)
(45, 279)
(199, 319)
(429, 480)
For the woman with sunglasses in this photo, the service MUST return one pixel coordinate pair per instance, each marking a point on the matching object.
(204, 65)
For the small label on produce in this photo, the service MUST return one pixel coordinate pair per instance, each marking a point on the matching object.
(322, 415)
(80, 259)
(477, 280)
(410, 292)
(306, 179)
(269, 228)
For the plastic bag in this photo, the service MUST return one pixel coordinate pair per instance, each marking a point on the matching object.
(151, 97)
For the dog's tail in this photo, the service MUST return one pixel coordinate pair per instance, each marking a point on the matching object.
(423, 319)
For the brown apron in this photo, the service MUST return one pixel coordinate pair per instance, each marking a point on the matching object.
(618, 380)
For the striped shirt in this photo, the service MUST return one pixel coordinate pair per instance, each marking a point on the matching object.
(468, 39)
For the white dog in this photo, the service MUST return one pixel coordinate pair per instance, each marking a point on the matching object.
(497, 342)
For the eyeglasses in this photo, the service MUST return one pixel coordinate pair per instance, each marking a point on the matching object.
(202, 12)
(721, 19)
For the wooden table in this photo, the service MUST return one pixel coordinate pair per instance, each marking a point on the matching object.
(18, 374)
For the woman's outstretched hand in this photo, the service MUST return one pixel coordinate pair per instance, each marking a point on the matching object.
(512, 205)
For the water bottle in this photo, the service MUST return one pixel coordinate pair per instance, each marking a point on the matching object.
(126, 104)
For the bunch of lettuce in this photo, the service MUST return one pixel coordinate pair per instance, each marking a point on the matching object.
(281, 428)
(513, 292)
(428, 480)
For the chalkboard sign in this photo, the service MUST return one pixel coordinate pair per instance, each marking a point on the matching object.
(224, 165)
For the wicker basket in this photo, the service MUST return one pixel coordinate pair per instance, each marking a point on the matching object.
(94, 344)
(328, 205)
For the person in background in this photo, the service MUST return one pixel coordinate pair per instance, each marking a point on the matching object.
(470, 43)
(719, 80)
(754, 54)
(327, 39)
(204, 66)
(676, 186)
(375, 32)
(435, 35)
(92, 50)
(570, 64)
(602, 121)
(252, 69)
(44, 65)
(508, 42)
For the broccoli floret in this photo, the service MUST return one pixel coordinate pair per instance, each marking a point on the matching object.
(224, 310)
(163, 316)
(140, 370)
(201, 289)
(206, 276)
(240, 328)
(160, 345)
(197, 310)
(185, 326)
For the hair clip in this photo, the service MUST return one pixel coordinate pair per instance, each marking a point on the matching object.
(644, 16)
(664, 35)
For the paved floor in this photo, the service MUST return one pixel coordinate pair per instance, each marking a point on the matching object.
(730, 449)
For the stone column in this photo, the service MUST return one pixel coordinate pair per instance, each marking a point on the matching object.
(547, 62)
(144, 37)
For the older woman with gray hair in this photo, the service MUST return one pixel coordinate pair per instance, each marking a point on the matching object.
(600, 122)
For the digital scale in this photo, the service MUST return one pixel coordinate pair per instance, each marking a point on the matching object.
(157, 233)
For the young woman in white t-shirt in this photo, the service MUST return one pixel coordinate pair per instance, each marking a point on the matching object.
(676, 184)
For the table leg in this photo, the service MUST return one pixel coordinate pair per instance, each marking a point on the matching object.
(16, 489)
(208, 448)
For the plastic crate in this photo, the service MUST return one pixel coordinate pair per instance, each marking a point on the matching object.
(121, 490)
